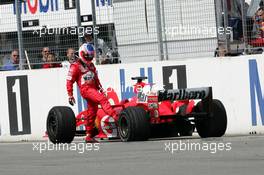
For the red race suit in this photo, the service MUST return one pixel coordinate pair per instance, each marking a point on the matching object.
(91, 90)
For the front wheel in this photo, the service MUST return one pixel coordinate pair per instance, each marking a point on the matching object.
(61, 124)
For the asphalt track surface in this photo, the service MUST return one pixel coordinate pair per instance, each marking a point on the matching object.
(246, 157)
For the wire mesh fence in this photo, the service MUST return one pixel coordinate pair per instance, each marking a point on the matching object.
(187, 29)
(129, 30)
(49, 27)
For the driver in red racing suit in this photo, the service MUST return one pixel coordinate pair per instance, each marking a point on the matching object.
(84, 73)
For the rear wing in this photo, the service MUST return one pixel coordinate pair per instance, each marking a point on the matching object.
(202, 93)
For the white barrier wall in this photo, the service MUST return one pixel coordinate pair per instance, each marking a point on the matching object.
(27, 96)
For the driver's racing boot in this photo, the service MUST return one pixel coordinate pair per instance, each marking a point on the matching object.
(90, 135)
(90, 139)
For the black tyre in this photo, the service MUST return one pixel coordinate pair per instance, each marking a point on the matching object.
(134, 124)
(61, 124)
(215, 125)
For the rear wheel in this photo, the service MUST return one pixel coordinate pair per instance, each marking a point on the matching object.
(133, 124)
(215, 125)
(61, 124)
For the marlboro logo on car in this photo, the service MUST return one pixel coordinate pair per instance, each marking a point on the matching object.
(183, 94)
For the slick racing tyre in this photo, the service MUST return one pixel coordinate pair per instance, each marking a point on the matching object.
(133, 124)
(61, 124)
(216, 123)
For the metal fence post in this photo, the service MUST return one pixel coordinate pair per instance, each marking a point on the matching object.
(159, 30)
(94, 35)
(244, 18)
(19, 34)
(78, 18)
(225, 17)
(217, 19)
(164, 29)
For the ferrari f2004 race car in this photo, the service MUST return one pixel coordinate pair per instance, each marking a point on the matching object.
(161, 113)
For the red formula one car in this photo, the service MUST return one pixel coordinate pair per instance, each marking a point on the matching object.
(162, 113)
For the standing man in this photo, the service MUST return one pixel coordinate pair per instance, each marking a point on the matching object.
(44, 53)
(84, 73)
(12, 63)
(71, 58)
